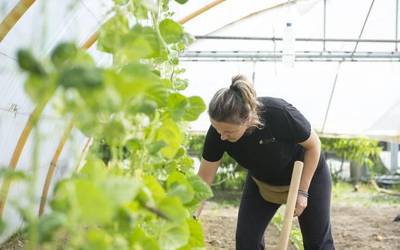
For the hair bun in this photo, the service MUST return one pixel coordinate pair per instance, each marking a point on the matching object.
(238, 78)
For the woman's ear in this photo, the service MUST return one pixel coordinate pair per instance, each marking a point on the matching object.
(249, 121)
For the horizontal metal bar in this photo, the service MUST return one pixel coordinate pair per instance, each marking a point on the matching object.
(273, 56)
(299, 54)
(279, 53)
(299, 39)
(278, 60)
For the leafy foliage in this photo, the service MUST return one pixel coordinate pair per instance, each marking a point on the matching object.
(231, 175)
(137, 189)
(360, 150)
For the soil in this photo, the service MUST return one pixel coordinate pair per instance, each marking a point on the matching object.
(219, 225)
(354, 227)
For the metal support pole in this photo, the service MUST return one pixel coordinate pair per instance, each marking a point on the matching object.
(394, 157)
(397, 24)
(330, 98)
(324, 26)
(363, 27)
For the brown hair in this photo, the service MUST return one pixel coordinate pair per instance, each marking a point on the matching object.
(236, 104)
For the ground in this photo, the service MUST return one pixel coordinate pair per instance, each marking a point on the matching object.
(360, 220)
(355, 225)
(219, 225)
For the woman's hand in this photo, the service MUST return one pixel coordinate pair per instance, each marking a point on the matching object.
(301, 204)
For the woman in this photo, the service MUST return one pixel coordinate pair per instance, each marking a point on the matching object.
(266, 136)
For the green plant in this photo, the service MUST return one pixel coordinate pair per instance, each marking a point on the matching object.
(295, 234)
(359, 151)
(231, 175)
(137, 189)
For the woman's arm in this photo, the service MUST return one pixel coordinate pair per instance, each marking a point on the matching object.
(207, 172)
(312, 148)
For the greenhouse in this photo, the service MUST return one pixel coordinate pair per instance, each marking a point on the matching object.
(107, 116)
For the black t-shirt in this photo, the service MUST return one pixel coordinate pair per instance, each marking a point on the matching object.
(270, 152)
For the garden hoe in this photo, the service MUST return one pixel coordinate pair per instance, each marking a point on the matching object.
(290, 205)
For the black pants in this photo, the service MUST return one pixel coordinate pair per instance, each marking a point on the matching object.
(255, 214)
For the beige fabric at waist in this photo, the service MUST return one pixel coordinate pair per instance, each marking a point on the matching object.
(274, 194)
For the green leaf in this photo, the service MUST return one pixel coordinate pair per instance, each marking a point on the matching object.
(94, 206)
(28, 62)
(196, 107)
(181, 1)
(121, 190)
(115, 131)
(94, 169)
(49, 224)
(12, 175)
(39, 88)
(172, 207)
(138, 81)
(154, 186)
(178, 185)
(140, 240)
(171, 134)
(62, 53)
(81, 77)
(2, 226)
(145, 106)
(155, 147)
(109, 38)
(121, 2)
(177, 105)
(140, 42)
(139, 9)
(61, 196)
(171, 31)
(181, 84)
(196, 240)
(134, 145)
(174, 237)
(98, 239)
(202, 190)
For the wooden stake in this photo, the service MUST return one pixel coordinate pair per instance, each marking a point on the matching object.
(12, 18)
(53, 166)
(92, 39)
(200, 11)
(33, 118)
(290, 205)
(84, 152)
(37, 112)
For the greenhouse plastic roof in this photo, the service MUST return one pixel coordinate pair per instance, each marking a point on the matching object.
(353, 93)
(345, 86)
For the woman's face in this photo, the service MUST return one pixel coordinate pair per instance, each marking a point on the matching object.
(229, 131)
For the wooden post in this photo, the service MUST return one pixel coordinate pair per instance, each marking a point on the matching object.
(92, 39)
(290, 205)
(53, 166)
(12, 18)
(200, 11)
(255, 13)
(37, 112)
(84, 152)
(33, 118)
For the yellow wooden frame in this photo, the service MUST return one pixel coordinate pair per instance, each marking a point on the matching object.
(53, 166)
(12, 18)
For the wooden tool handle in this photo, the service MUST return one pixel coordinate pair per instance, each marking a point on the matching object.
(290, 205)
